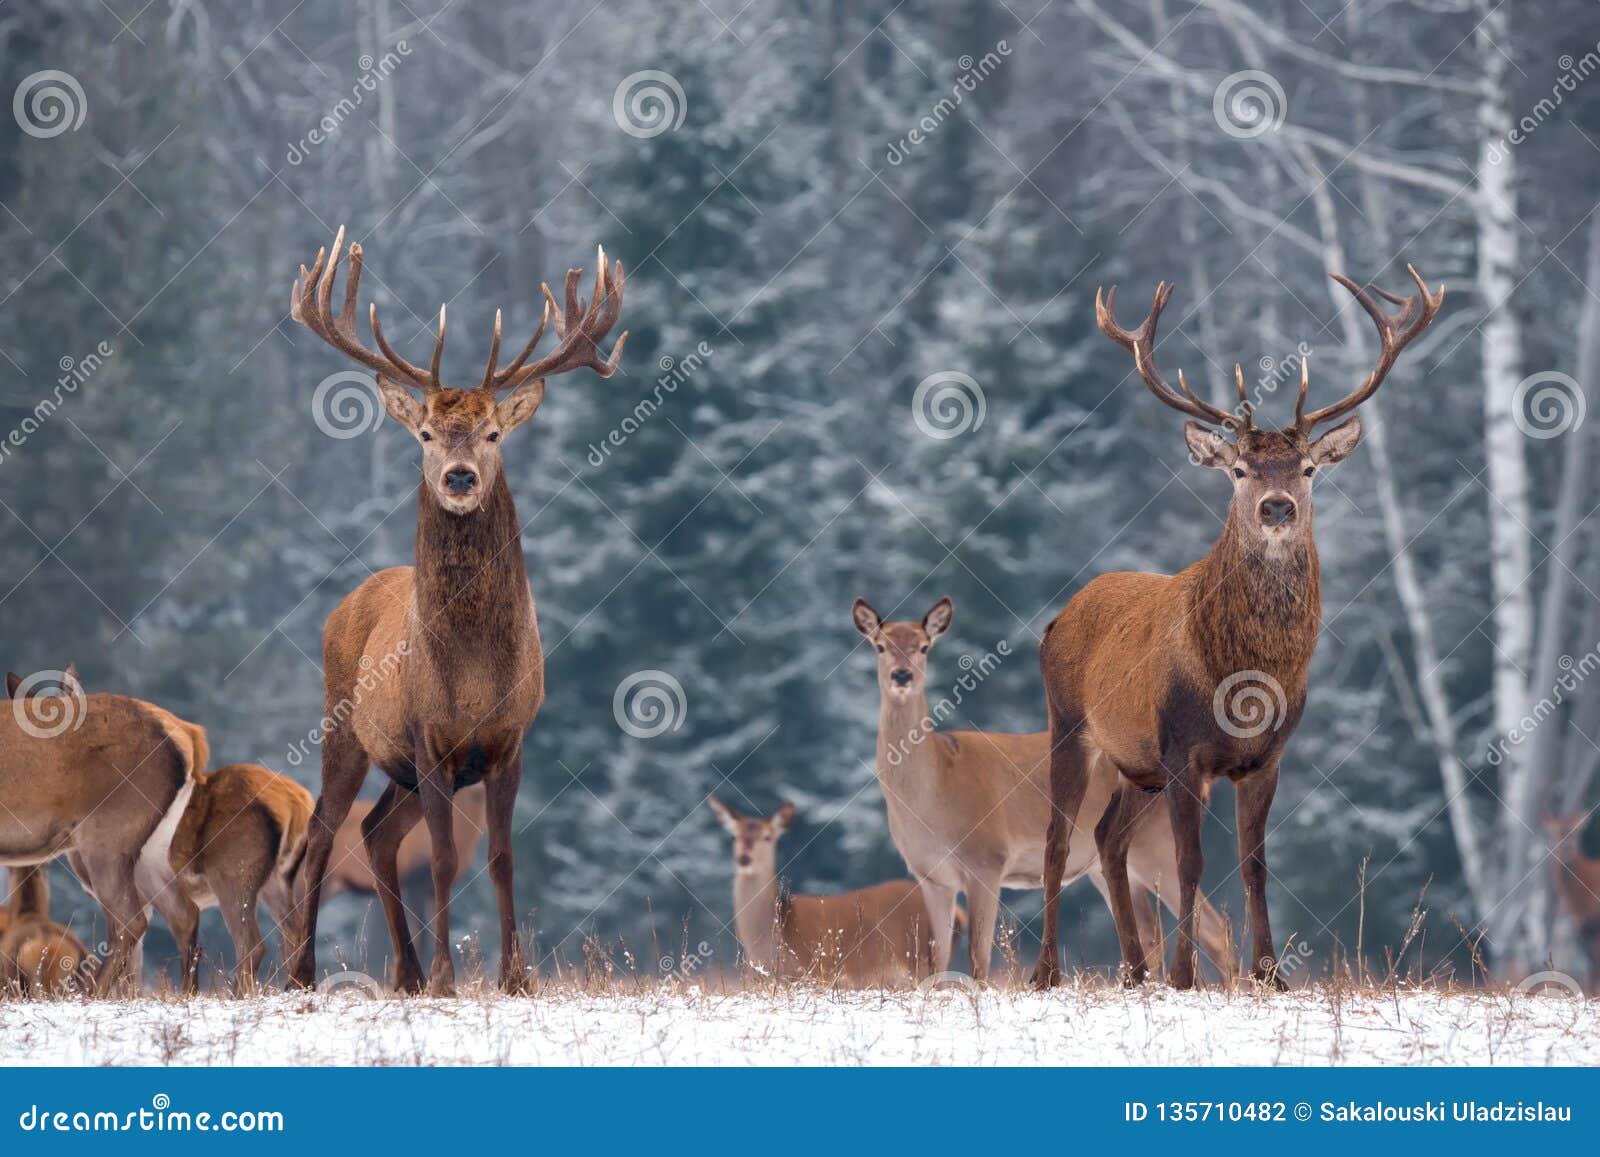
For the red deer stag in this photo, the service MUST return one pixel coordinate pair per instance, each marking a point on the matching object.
(968, 809)
(36, 953)
(457, 630)
(1181, 679)
(104, 777)
(866, 938)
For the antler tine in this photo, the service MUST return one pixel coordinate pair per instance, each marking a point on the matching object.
(494, 351)
(1141, 343)
(580, 326)
(1246, 410)
(1394, 334)
(399, 367)
(1300, 399)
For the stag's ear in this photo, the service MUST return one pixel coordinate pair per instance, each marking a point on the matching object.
(725, 814)
(13, 681)
(1336, 444)
(782, 818)
(865, 618)
(520, 404)
(402, 404)
(70, 683)
(1209, 448)
(937, 621)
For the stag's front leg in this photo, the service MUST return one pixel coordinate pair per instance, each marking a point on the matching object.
(436, 790)
(501, 790)
(1253, 800)
(1186, 802)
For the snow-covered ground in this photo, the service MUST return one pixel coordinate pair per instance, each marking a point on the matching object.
(688, 1026)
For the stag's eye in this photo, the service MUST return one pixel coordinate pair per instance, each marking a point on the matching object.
(1237, 472)
(495, 437)
(924, 650)
(1309, 471)
(425, 436)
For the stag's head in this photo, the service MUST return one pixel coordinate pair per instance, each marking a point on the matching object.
(755, 839)
(461, 430)
(1272, 470)
(902, 646)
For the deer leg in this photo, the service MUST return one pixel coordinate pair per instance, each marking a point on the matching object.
(501, 790)
(344, 766)
(126, 918)
(1253, 797)
(239, 913)
(395, 814)
(941, 902)
(438, 810)
(183, 921)
(1069, 779)
(1112, 835)
(983, 907)
(1186, 806)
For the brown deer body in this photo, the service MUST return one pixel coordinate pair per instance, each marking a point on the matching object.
(968, 810)
(872, 937)
(1575, 872)
(103, 777)
(36, 953)
(349, 869)
(455, 636)
(1180, 680)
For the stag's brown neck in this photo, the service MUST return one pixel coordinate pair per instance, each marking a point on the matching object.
(1255, 608)
(471, 582)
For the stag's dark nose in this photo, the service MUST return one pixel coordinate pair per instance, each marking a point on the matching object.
(1277, 511)
(900, 677)
(460, 481)
(743, 861)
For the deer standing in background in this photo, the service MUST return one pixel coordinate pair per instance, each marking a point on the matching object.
(867, 938)
(105, 778)
(1575, 872)
(458, 629)
(35, 951)
(348, 869)
(968, 810)
(1182, 679)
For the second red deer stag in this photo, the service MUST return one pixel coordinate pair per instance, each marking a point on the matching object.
(1183, 679)
(456, 633)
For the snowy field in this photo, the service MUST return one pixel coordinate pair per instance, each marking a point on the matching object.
(671, 1025)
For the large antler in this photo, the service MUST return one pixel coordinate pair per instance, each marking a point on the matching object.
(311, 307)
(1141, 343)
(1394, 333)
(580, 328)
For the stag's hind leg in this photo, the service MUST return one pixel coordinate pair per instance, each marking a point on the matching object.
(395, 814)
(344, 766)
(1069, 780)
(1187, 805)
(500, 788)
(1112, 835)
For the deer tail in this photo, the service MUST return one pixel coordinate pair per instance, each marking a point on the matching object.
(199, 746)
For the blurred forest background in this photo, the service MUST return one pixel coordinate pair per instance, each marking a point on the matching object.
(830, 201)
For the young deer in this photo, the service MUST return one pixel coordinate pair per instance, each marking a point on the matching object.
(867, 938)
(968, 810)
(457, 630)
(36, 953)
(348, 869)
(1575, 872)
(1181, 679)
(104, 778)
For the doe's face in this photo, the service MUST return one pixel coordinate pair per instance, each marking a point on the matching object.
(755, 839)
(461, 432)
(902, 646)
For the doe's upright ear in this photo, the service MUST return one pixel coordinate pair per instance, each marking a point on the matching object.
(1209, 448)
(70, 683)
(402, 404)
(13, 681)
(725, 814)
(520, 404)
(1337, 443)
(782, 818)
(865, 618)
(937, 621)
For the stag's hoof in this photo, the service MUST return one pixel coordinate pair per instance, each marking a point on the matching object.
(516, 979)
(1046, 975)
(1135, 977)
